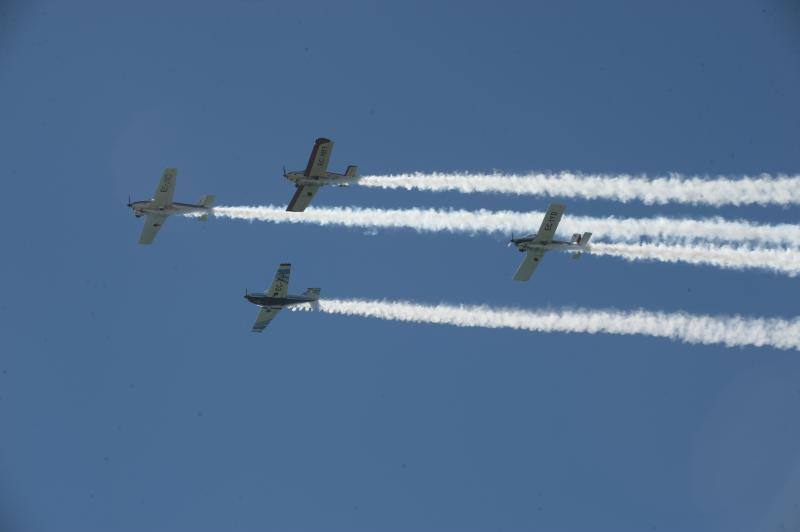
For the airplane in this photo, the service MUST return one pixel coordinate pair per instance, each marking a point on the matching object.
(316, 175)
(536, 245)
(162, 206)
(275, 298)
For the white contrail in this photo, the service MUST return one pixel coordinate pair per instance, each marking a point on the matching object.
(732, 331)
(762, 190)
(608, 228)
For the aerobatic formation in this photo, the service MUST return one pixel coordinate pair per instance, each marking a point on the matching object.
(733, 244)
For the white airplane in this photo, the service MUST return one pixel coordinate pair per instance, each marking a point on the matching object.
(536, 245)
(316, 175)
(162, 206)
(275, 298)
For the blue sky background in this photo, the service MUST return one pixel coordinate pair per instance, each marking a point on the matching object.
(134, 397)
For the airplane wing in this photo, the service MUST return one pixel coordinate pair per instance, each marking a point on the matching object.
(302, 197)
(320, 155)
(152, 224)
(281, 283)
(165, 188)
(529, 264)
(551, 220)
(266, 315)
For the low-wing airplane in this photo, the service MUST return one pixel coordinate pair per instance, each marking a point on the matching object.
(162, 206)
(316, 175)
(538, 244)
(275, 298)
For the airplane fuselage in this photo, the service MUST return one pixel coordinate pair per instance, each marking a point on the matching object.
(530, 242)
(264, 300)
(331, 178)
(149, 207)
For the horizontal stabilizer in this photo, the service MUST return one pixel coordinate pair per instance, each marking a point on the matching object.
(352, 171)
(207, 201)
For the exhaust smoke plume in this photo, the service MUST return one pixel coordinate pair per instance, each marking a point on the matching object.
(682, 231)
(731, 331)
(608, 228)
(676, 188)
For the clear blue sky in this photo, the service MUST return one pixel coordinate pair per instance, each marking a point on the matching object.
(132, 394)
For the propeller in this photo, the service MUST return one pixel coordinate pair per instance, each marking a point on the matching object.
(284, 170)
(129, 200)
(512, 240)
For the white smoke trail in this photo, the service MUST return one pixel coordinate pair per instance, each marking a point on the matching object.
(762, 190)
(731, 331)
(784, 261)
(505, 222)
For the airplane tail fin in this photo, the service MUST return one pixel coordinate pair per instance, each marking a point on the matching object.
(312, 292)
(207, 202)
(352, 171)
(582, 241)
